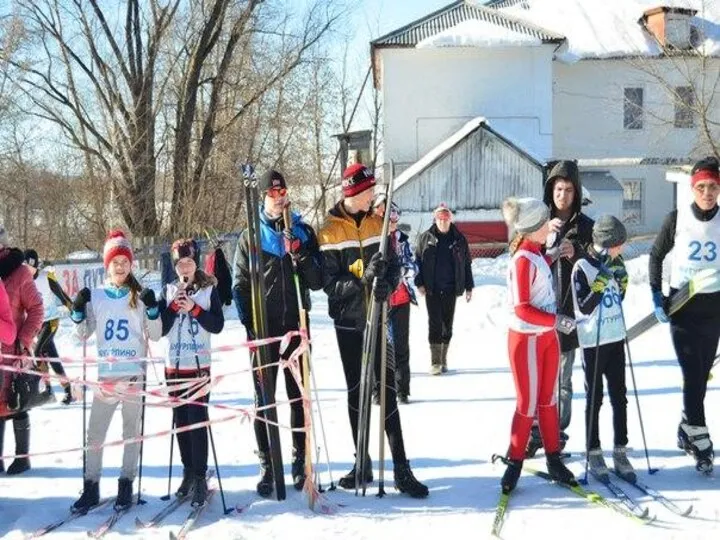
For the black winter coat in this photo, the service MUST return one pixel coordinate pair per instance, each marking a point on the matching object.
(425, 255)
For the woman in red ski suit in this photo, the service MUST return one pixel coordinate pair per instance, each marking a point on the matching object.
(532, 338)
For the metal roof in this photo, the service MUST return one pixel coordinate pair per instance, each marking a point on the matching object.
(599, 181)
(455, 13)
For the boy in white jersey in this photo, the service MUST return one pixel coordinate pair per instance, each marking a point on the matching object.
(599, 281)
(191, 310)
(123, 315)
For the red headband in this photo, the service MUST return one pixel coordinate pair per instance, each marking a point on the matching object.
(704, 174)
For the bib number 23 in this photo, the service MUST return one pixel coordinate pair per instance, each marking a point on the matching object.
(702, 251)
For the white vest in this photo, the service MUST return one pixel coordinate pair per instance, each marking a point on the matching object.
(187, 337)
(612, 327)
(51, 303)
(542, 293)
(697, 246)
(119, 332)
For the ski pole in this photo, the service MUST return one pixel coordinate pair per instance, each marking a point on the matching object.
(84, 397)
(140, 500)
(637, 398)
(172, 420)
(590, 422)
(383, 392)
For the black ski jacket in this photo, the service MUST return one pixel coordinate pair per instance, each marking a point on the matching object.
(425, 255)
(281, 299)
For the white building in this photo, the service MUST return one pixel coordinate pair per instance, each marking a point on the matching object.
(616, 84)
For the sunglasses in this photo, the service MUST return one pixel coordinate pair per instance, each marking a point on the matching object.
(276, 193)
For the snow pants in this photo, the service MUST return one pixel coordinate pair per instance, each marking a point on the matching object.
(534, 359)
(193, 444)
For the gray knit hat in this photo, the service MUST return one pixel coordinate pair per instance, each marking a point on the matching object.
(609, 231)
(525, 215)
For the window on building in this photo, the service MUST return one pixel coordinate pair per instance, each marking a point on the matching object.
(633, 108)
(632, 202)
(684, 104)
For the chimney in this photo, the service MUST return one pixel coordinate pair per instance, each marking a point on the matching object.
(670, 26)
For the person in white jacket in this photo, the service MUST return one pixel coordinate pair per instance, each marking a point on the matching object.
(123, 316)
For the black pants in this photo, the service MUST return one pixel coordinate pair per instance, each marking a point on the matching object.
(400, 326)
(350, 343)
(611, 364)
(441, 312)
(46, 345)
(297, 414)
(696, 341)
(193, 444)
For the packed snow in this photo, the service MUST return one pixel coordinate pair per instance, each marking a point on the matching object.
(474, 33)
(452, 426)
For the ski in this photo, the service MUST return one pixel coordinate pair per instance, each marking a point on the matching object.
(70, 517)
(109, 523)
(168, 509)
(589, 496)
(705, 281)
(192, 518)
(500, 511)
(260, 325)
(659, 497)
(631, 504)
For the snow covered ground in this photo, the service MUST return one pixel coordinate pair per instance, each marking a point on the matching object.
(452, 426)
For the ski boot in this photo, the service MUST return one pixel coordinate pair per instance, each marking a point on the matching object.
(89, 498)
(123, 500)
(558, 471)
(596, 464)
(402, 397)
(21, 427)
(298, 470)
(186, 484)
(621, 464)
(512, 475)
(348, 481)
(68, 399)
(264, 486)
(405, 482)
(696, 442)
(200, 490)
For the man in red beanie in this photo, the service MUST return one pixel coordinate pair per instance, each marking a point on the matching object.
(350, 245)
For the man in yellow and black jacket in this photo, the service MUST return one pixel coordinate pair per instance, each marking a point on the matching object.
(350, 243)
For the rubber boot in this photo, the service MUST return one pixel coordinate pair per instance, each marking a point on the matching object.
(435, 358)
(443, 356)
(21, 426)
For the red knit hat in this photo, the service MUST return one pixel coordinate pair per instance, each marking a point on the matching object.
(116, 244)
(356, 179)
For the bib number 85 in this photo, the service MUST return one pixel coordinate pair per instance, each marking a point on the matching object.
(702, 252)
(117, 329)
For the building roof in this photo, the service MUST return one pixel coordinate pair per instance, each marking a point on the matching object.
(457, 12)
(599, 181)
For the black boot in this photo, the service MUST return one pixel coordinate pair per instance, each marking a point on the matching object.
(512, 475)
(405, 482)
(558, 471)
(186, 484)
(89, 498)
(68, 399)
(200, 490)
(298, 469)
(2, 439)
(265, 484)
(124, 496)
(21, 426)
(534, 443)
(348, 481)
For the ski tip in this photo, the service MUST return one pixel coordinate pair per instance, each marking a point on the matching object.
(139, 524)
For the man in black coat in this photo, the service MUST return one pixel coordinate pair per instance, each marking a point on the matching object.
(444, 273)
(571, 235)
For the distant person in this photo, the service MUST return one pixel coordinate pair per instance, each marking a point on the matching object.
(444, 273)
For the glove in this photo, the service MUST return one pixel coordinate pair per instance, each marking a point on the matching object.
(617, 267)
(293, 245)
(374, 269)
(660, 303)
(601, 281)
(148, 298)
(78, 306)
(564, 324)
(381, 290)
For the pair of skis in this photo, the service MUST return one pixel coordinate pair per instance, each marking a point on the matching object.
(260, 325)
(626, 505)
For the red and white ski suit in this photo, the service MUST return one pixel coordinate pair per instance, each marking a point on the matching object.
(533, 349)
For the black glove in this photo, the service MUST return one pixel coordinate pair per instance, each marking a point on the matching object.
(374, 269)
(81, 300)
(382, 290)
(147, 296)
